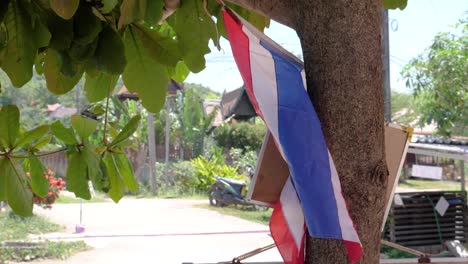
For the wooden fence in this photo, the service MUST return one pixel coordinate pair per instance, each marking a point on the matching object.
(416, 224)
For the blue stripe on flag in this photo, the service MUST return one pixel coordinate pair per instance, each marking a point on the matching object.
(303, 144)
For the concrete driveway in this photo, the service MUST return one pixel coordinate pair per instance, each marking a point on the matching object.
(158, 231)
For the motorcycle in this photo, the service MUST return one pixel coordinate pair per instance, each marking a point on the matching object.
(227, 191)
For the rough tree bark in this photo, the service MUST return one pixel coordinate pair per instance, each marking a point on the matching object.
(342, 55)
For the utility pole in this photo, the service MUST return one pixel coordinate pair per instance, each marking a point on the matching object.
(152, 153)
(386, 67)
(168, 134)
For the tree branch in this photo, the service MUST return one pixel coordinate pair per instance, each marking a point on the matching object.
(278, 10)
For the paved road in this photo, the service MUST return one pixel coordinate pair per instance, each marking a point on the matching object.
(158, 231)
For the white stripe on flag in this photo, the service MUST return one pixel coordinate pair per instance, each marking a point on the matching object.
(304, 80)
(263, 71)
(347, 228)
(292, 212)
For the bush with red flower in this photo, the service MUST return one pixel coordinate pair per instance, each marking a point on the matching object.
(55, 186)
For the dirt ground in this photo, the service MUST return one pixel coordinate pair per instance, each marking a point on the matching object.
(157, 231)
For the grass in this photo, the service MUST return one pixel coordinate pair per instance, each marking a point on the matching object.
(63, 199)
(172, 192)
(16, 228)
(48, 249)
(433, 185)
(260, 216)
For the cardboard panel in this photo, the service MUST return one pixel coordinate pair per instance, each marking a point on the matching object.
(272, 171)
(270, 176)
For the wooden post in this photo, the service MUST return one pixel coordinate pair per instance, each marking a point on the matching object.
(168, 132)
(386, 67)
(152, 153)
(462, 168)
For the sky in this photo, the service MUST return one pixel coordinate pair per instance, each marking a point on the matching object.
(411, 32)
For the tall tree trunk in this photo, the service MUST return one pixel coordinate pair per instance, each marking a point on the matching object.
(342, 55)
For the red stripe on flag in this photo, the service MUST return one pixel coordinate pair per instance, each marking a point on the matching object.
(354, 250)
(283, 238)
(240, 46)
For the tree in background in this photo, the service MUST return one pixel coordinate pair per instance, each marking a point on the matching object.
(439, 80)
(195, 124)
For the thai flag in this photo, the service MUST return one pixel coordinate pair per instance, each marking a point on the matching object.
(276, 86)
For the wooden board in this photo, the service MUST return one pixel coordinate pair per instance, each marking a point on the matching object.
(272, 171)
(270, 175)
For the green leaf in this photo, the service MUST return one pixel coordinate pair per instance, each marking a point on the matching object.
(18, 195)
(39, 63)
(39, 183)
(110, 52)
(394, 4)
(3, 8)
(77, 175)
(162, 49)
(143, 74)
(154, 11)
(127, 131)
(125, 169)
(32, 135)
(62, 32)
(194, 30)
(257, 20)
(86, 26)
(57, 81)
(82, 52)
(180, 72)
(42, 142)
(99, 85)
(3, 176)
(66, 135)
(117, 185)
(64, 8)
(42, 35)
(20, 51)
(83, 126)
(107, 6)
(131, 10)
(9, 128)
(92, 159)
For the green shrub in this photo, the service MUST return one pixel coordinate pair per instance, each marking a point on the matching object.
(242, 135)
(207, 169)
(184, 175)
(245, 161)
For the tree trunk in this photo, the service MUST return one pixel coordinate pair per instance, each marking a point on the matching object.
(342, 55)
(341, 43)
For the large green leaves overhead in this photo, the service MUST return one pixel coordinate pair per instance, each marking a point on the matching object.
(65, 8)
(194, 30)
(99, 85)
(25, 36)
(61, 73)
(163, 49)
(131, 10)
(143, 74)
(110, 52)
(394, 4)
